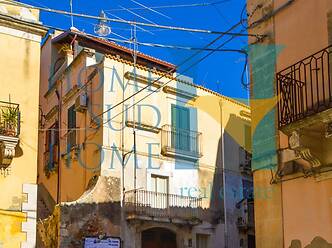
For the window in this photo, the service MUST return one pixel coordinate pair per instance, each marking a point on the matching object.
(51, 146)
(159, 185)
(180, 128)
(71, 125)
(202, 240)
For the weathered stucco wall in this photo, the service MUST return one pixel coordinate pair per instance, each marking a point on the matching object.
(298, 209)
(19, 69)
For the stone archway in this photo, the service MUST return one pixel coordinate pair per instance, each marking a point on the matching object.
(158, 237)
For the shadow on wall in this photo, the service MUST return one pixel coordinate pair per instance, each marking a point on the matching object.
(317, 242)
(233, 135)
(216, 198)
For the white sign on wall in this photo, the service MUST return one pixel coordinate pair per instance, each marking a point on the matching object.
(94, 242)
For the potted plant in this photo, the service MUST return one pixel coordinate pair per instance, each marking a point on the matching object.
(10, 120)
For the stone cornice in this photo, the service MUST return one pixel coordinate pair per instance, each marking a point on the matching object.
(143, 126)
(20, 24)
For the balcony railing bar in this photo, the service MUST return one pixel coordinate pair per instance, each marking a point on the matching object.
(305, 87)
(157, 204)
(181, 140)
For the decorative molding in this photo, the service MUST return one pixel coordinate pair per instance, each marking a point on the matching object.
(52, 112)
(5, 172)
(143, 126)
(294, 140)
(69, 95)
(324, 116)
(306, 155)
(179, 154)
(167, 89)
(7, 149)
(303, 152)
(328, 131)
(246, 114)
(322, 176)
(50, 90)
(169, 76)
(144, 80)
(178, 92)
(20, 27)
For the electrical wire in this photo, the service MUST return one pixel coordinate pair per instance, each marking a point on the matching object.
(148, 44)
(174, 28)
(176, 6)
(151, 9)
(148, 31)
(199, 50)
(140, 16)
(163, 85)
(166, 46)
(172, 70)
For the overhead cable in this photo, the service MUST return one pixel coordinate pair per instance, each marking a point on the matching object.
(174, 28)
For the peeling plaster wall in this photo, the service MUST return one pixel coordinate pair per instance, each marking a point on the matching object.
(96, 212)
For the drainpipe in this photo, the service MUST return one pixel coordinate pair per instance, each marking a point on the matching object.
(223, 172)
(59, 128)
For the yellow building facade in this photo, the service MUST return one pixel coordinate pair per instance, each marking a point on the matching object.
(20, 37)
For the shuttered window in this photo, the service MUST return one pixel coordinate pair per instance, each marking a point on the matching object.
(180, 128)
(51, 146)
(71, 125)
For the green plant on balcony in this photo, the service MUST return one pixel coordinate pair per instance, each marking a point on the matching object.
(9, 121)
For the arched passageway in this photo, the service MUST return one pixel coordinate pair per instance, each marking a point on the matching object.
(158, 238)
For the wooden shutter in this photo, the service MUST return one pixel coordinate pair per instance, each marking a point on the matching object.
(181, 125)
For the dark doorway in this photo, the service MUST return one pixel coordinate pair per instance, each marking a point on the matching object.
(158, 238)
(251, 241)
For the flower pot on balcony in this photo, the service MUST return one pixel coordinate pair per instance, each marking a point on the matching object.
(10, 121)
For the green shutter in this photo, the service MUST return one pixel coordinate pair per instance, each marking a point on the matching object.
(181, 123)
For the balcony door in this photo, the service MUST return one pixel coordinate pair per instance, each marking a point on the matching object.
(180, 128)
(160, 191)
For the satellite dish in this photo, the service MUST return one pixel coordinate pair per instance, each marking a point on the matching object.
(102, 28)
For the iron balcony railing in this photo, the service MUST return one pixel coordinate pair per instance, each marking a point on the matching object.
(51, 157)
(72, 138)
(305, 88)
(176, 141)
(245, 161)
(247, 219)
(163, 205)
(9, 119)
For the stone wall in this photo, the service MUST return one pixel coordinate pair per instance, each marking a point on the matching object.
(91, 219)
(96, 213)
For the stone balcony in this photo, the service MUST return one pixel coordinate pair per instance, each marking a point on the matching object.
(305, 114)
(181, 143)
(162, 207)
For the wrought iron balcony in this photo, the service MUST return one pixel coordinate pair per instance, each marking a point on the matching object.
(246, 220)
(143, 203)
(305, 88)
(181, 143)
(72, 139)
(9, 132)
(51, 158)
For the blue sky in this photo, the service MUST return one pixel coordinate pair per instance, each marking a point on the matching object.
(220, 72)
